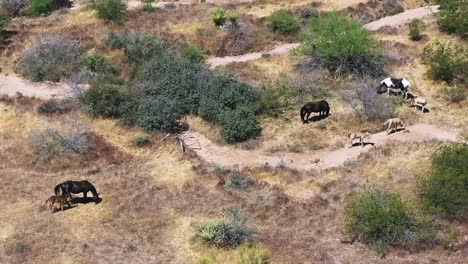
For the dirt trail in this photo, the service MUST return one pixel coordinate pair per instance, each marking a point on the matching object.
(395, 20)
(12, 84)
(401, 18)
(229, 156)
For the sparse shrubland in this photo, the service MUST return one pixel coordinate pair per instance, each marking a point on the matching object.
(381, 219)
(231, 231)
(53, 106)
(455, 94)
(283, 21)
(250, 253)
(446, 61)
(110, 10)
(238, 181)
(445, 190)
(14, 7)
(453, 16)
(50, 58)
(416, 27)
(70, 139)
(343, 46)
(367, 104)
(167, 87)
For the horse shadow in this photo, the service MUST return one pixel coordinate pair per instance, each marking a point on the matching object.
(56, 210)
(355, 144)
(316, 118)
(82, 200)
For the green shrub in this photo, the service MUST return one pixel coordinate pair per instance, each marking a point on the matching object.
(453, 16)
(158, 114)
(308, 13)
(445, 190)
(283, 21)
(455, 94)
(106, 98)
(232, 20)
(176, 87)
(343, 46)
(380, 219)
(111, 10)
(50, 57)
(228, 232)
(19, 248)
(239, 124)
(238, 181)
(39, 7)
(219, 16)
(416, 27)
(250, 253)
(141, 141)
(4, 20)
(98, 64)
(193, 52)
(445, 60)
(148, 8)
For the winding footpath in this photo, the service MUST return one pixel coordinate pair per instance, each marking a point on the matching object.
(228, 156)
(391, 21)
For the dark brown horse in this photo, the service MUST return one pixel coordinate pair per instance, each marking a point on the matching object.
(322, 107)
(84, 187)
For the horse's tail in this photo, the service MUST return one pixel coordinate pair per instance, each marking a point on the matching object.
(57, 189)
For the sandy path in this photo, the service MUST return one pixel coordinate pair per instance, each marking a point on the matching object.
(395, 20)
(401, 18)
(229, 156)
(11, 84)
(283, 48)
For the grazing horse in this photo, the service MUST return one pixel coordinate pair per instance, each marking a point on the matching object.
(69, 187)
(322, 107)
(395, 85)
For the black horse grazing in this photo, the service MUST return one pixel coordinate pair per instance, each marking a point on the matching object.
(69, 187)
(320, 107)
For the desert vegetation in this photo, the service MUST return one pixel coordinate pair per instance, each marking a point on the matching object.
(200, 162)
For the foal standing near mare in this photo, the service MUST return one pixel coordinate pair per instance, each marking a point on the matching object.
(322, 107)
(69, 187)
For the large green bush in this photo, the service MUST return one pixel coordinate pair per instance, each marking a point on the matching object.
(111, 10)
(445, 190)
(106, 98)
(98, 64)
(166, 87)
(445, 60)
(283, 21)
(193, 52)
(239, 124)
(343, 46)
(453, 16)
(50, 57)
(231, 231)
(380, 219)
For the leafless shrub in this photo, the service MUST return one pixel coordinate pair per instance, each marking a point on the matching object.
(53, 106)
(367, 104)
(78, 82)
(67, 140)
(14, 7)
(50, 57)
